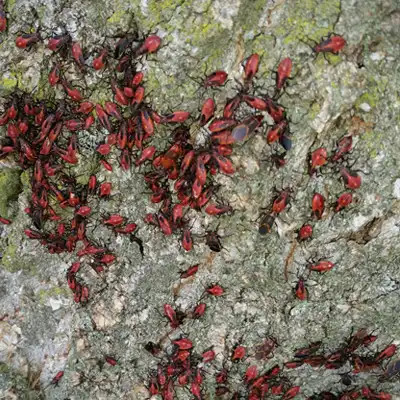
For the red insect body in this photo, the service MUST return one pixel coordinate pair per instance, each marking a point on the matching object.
(164, 225)
(221, 377)
(215, 290)
(351, 181)
(58, 41)
(207, 111)
(139, 95)
(231, 106)
(147, 122)
(168, 392)
(344, 146)
(114, 220)
(170, 313)
(84, 211)
(201, 173)
(331, 45)
(276, 132)
(197, 188)
(150, 45)
(386, 353)
(107, 259)
(293, 364)
(147, 154)
(73, 125)
(283, 73)
(189, 272)
(127, 229)
(255, 102)
(27, 40)
(215, 209)
(177, 116)
(105, 189)
(112, 110)
(73, 93)
(208, 356)
(318, 205)
(238, 353)
(187, 161)
(280, 202)
(199, 310)
(99, 62)
(5, 221)
(77, 54)
(103, 149)
(251, 67)
(219, 125)
(183, 344)
(322, 266)
(55, 75)
(111, 360)
(195, 390)
(318, 158)
(343, 201)
(224, 164)
(292, 392)
(187, 241)
(250, 374)
(276, 111)
(305, 232)
(57, 377)
(3, 21)
(300, 290)
(137, 79)
(103, 117)
(217, 78)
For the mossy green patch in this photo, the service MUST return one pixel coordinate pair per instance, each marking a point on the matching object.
(116, 17)
(302, 20)
(10, 5)
(44, 294)
(369, 98)
(314, 110)
(9, 82)
(10, 187)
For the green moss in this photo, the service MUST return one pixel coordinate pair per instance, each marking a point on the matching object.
(4, 368)
(10, 5)
(369, 98)
(314, 110)
(302, 19)
(52, 292)
(116, 17)
(11, 260)
(10, 187)
(9, 82)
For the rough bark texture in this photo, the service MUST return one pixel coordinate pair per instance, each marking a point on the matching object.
(356, 92)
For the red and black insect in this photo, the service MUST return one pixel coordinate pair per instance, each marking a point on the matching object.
(283, 73)
(333, 44)
(217, 78)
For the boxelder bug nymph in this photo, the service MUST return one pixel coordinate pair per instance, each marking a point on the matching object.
(217, 78)
(333, 44)
(300, 290)
(305, 232)
(3, 19)
(351, 179)
(318, 205)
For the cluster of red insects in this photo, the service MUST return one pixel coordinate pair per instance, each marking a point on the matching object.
(180, 366)
(339, 358)
(37, 134)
